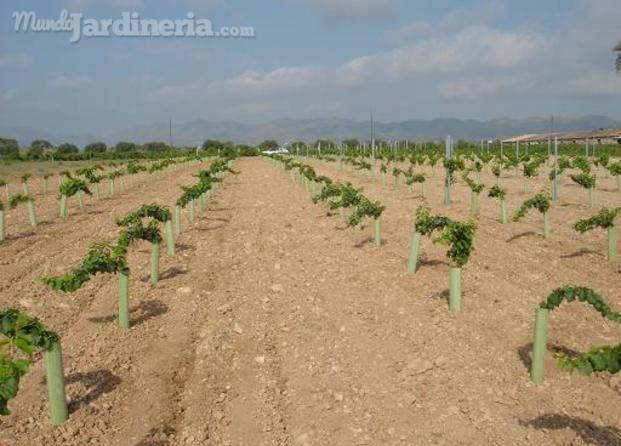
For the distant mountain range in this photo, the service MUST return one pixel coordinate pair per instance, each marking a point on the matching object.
(284, 130)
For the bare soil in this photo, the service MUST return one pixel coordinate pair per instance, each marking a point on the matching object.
(275, 324)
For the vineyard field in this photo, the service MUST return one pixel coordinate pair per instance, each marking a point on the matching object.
(274, 323)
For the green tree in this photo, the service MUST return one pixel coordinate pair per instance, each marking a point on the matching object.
(351, 143)
(9, 147)
(40, 145)
(268, 144)
(155, 146)
(212, 144)
(125, 146)
(245, 150)
(618, 61)
(96, 147)
(37, 147)
(67, 148)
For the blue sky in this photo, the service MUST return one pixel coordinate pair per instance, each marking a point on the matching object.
(415, 59)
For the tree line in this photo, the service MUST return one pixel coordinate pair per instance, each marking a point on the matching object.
(41, 149)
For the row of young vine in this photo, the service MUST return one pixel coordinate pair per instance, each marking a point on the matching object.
(459, 235)
(469, 165)
(26, 335)
(84, 181)
(338, 195)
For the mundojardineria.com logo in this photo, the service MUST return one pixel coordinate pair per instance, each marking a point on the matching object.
(129, 24)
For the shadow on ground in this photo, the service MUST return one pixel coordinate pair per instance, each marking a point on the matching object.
(525, 351)
(92, 385)
(145, 310)
(590, 432)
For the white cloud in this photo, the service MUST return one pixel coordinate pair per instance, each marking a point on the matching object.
(463, 57)
(353, 9)
(69, 81)
(7, 59)
(472, 49)
(285, 78)
(456, 20)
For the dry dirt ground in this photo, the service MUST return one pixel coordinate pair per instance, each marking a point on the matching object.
(274, 324)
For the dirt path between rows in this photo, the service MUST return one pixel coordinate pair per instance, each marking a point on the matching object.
(276, 325)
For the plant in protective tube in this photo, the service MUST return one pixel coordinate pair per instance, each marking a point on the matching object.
(18, 199)
(415, 178)
(25, 177)
(153, 211)
(362, 165)
(511, 161)
(192, 193)
(11, 372)
(308, 172)
(133, 168)
(539, 202)
(452, 166)
(27, 335)
(497, 192)
(421, 159)
(90, 175)
(596, 359)
(72, 186)
(161, 165)
(365, 208)
(221, 165)
(425, 223)
(459, 237)
(207, 176)
(615, 169)
(497, 169)
(329, 190)
(350, 196)
(582, 164)
(25, 332)
(434, 157)
(485, 157)
(581, 294)
(530, 168)
(563, 164)
(474, 186)
(138, 231)
(115, 174)
(602, 160)
(323, 179)
(584, 179)
(604, 219)
(101, 258)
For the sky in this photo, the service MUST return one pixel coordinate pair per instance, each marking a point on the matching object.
(400, 59)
